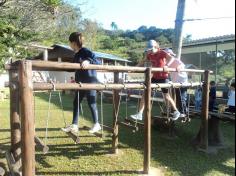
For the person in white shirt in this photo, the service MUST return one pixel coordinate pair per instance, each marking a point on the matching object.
(179, 77)
(231, 100)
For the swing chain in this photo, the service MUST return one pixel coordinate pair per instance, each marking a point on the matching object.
(53, 84)
(80, 84)
(124, 86)
(144, 86)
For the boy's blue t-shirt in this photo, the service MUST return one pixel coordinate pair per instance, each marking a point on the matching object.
(212, 98)
(86, 76)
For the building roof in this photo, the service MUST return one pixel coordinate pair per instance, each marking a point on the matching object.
(225, 42)
(220, 43)
(67, 54)
(218, 39)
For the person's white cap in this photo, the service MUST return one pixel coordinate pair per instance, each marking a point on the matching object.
(169, 51)
(151, 44)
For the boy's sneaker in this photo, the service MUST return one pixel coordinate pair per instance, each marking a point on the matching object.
(138, 116)
(96, 128)
(176, 115)
(182, 115)
(71, 128)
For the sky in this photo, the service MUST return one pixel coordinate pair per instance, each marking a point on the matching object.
(131, 14)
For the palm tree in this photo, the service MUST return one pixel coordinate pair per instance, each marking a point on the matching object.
(114, 26)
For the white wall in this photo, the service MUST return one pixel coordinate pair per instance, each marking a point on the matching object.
(3, 78)
(103, 77)
(61, 77)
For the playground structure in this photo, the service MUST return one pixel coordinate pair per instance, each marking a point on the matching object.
(21, 157)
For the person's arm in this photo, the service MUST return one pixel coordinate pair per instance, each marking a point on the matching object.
(90, 56)
(170, 59)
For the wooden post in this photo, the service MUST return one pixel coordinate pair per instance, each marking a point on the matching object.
(147, 122)
(205, 111)
(27, 119)
(15, 118)
(12, 166)
(116, 104)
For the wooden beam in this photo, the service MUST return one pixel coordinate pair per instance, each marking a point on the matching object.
(66, 66)
(223, 116)
(115, 86)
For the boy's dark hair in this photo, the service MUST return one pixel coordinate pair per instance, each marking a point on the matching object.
(212, 83)
(77, 38)
(232, 84)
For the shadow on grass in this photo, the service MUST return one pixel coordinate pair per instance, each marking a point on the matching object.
(4, 130)
(176, 154)
(122, 172)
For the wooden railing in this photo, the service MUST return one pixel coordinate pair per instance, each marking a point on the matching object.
(21, 84)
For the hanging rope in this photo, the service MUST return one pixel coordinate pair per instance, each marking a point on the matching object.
(61, 104)
(48, 116)
(49, 110)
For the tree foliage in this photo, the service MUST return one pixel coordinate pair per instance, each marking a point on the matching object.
(39, 21)
(21, 22)
(47, 22)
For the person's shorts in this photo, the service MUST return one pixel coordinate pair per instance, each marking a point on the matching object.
(164, 90)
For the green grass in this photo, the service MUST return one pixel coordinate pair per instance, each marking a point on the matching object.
(92, 156)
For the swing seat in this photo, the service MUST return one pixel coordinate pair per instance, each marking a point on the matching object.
(129, 126)
(41, 145)
(74, 137)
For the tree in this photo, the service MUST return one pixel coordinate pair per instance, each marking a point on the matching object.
(2, 2)
(187, 38)
(139, 37)
(108, 43)
(22, 22)
(162, 40)
(91, 30)
(142, 29)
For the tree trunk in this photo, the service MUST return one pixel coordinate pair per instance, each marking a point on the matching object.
(215, 137)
